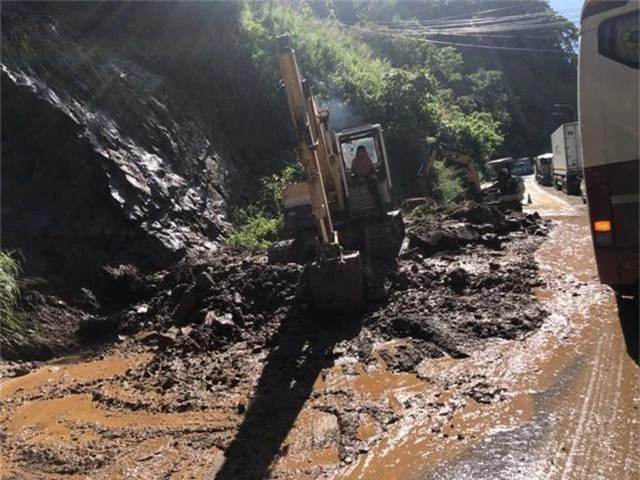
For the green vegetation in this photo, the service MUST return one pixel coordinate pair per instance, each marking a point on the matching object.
(260, 223)
(424, 211)
(257, 230)
(417, 91)
(447, 184)
(486, 90)
(10, 271)
(485, 102)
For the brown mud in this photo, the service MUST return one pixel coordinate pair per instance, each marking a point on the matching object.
(219, 368)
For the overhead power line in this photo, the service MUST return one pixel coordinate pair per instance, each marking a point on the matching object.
(457, 44)
(464, 14)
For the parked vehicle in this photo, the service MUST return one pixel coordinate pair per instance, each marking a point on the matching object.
(608, 79)
(567, 158)
(522, 166)
(544, 169)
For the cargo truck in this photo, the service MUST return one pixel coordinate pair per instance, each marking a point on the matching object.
(567, 158)
(543, 168)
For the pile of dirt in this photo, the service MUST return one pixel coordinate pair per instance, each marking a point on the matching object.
(235, 336)
(458, 263)
(451, 228)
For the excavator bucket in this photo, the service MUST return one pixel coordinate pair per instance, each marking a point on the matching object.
(336, 285)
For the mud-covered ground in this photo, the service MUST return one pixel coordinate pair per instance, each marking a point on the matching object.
(220, 366)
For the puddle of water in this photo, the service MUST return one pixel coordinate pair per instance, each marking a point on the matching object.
(373, 382)
(59, 416)
(60, 375)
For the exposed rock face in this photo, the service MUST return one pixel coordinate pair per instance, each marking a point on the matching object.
(103, 161)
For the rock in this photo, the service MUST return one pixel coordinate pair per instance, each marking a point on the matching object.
(167, 383)
(162, 340)
(433, 242)
(186, 306)
(204, 283)
(458, 279)
(222, 325)
(144, 308)
(411, 203)
(477, 214)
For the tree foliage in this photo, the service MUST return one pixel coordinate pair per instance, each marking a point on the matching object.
(417, 91)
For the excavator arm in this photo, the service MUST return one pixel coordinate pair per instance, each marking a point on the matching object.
(456, 157)
(306, 141)
(336, 277)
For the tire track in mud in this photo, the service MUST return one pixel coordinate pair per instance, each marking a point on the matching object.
(584, 386)
(588, 403)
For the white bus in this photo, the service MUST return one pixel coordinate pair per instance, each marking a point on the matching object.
(608, 85)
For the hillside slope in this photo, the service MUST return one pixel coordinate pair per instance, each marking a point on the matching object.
(104, 161)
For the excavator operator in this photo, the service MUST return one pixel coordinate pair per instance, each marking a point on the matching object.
(362, 168)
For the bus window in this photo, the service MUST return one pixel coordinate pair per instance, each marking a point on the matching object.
(618, 39)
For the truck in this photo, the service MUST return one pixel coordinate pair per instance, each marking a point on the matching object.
(522, 166)
(567, 158)
(543, 169)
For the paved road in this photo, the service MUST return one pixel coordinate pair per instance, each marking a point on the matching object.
(585, 389)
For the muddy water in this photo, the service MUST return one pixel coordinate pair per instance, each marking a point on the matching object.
(538, 408)
(584, 388)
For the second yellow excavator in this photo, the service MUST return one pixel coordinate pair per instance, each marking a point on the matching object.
(506, 192)
(338, 223)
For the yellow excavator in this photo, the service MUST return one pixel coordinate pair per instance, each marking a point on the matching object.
(336, 225)
(506, 192)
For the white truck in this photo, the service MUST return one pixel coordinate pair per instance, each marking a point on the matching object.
(567, 158)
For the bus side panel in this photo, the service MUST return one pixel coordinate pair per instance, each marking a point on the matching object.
(613, 195)
(608, 111)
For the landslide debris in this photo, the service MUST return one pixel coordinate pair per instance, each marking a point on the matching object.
(234, 335)
(456, 263)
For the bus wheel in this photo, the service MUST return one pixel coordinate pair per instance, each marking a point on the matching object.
(628, 314)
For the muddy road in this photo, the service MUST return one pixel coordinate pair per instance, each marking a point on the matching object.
(493, 352)
(583, 390)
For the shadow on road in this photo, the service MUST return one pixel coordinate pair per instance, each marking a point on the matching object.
(304, 348)
(629, 321)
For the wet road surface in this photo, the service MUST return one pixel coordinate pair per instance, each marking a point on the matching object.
(584, 388)
(562, 403)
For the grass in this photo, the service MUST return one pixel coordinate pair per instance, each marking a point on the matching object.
(424, 211)
(10, 271)
(256, 233)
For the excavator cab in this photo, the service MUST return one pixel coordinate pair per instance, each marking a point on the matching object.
(507, 190)
(360, 202)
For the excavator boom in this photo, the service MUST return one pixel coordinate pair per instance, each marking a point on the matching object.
(336, 276)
